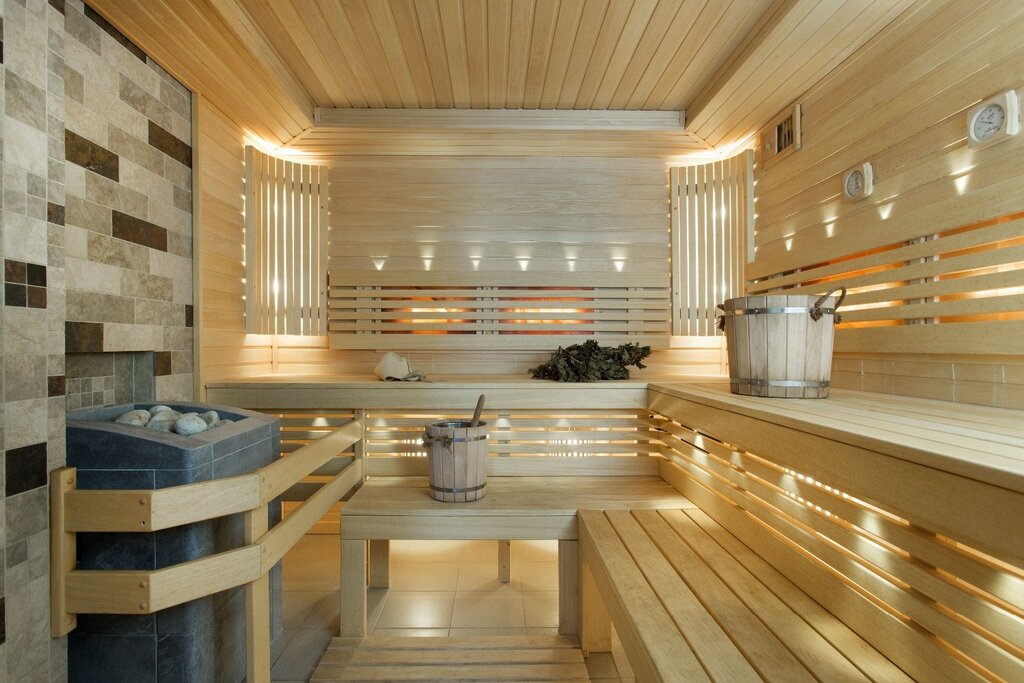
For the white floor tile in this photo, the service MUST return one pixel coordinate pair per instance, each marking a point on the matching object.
(417, 610)
(487, 610)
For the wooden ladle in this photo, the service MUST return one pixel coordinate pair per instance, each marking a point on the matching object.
(479, 409)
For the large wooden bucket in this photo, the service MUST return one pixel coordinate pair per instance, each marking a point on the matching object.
(456, 461)
(780, 346)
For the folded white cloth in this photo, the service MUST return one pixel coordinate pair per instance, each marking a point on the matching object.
(395, 368)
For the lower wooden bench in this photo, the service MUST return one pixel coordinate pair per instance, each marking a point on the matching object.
(510, 658)
(690, 602)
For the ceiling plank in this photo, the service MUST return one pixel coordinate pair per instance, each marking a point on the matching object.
(414, 50)
(454, 32)
(393, 47)
(429, 19)
(570, 13)
(343, 44)
(497, 119)
(475, 18)
(544, 21)
(499, 14)
(519, 52)
(645, 21)
(614, 21)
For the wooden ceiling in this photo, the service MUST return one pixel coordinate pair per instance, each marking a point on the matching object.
(732, 64)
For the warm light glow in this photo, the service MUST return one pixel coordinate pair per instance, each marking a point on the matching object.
(572, 264)
(885, 210)
(426, 263)
(476, 263)
(619, 264)
(789, 244)
(830, 229)
(378, 263)
(961, 183)
(524, 263)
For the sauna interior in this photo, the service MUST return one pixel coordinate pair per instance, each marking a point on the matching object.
(236, 208)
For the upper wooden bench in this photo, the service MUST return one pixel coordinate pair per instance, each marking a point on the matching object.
(902, 517)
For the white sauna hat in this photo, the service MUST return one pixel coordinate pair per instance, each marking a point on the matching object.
(393, 367)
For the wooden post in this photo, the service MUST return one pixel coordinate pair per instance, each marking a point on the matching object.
(568, 588)
(380, 563)
(62, 552)
(504, 561)
(353, 588)
(257, 607)
(595, 624)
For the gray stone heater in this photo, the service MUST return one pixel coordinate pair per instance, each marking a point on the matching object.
(198, 642)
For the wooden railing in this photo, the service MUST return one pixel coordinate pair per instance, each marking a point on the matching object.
(76, 591)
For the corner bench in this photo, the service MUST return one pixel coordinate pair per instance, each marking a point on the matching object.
(690, 602)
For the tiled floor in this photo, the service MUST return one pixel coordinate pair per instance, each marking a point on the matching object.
(438, 588)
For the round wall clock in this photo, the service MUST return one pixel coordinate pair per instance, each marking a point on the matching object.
(993, 120)
(858, 182)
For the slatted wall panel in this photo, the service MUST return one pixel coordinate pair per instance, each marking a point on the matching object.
(417, 311)
(224, 349)
(934, 256)
(939, 608)
(528, 228)
(286, 246)
(712, 220)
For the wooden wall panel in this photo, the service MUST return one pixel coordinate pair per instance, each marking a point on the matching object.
(933, 257)
(225, 349)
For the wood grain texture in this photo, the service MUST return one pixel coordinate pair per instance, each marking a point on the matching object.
(931, 258)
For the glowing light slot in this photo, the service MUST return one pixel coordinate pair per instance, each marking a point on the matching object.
(619, 264)
(830, 229)
(572, 264)
(885, 210)
(961, 183)
(378, 263)
(524, 263)
(427, 262)
(476, 263)
(789, 244)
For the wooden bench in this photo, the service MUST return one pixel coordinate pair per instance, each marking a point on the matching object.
(690, 602)
(843, 527)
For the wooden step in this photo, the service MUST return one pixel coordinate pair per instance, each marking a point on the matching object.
(508, 658)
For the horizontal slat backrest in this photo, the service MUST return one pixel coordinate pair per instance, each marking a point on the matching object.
(934, 603)
(476, 310)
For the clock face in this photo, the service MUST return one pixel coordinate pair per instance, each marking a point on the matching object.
(988, 122)
(854, 183)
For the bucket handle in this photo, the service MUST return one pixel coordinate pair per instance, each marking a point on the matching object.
(816, 311)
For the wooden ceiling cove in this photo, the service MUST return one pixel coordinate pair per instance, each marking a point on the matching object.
(731, 64)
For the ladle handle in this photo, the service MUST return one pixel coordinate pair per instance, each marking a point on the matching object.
(479, 409)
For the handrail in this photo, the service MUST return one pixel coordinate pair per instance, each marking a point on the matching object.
(74, 591)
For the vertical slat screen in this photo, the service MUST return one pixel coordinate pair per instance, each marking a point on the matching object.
(710, 223)
(286, 246)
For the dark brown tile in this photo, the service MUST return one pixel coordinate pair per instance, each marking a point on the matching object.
(83, 337)
(88, 154)
(136, 230)
(189, 315)
(114, 33)
(57, 5)
(15, 295)
(55, 213)
(162, 363)
(170, 145)
(36, 297)
(15, 271)
(26, 468)
(56, 385)
(35, 274)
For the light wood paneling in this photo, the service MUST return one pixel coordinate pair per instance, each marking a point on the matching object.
(712, 222)
(795, 44)
(499, 54)
(286, 246)
(219, 182)
(932, 258)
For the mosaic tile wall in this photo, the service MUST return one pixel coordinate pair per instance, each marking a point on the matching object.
(96, 250)
(32, 341)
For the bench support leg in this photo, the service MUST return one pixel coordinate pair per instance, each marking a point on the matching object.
(504, 561)
(353, 588)
(595, 624)
(568, 588)
(380, 563)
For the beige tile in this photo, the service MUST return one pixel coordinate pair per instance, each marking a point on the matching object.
(486, 610)
(542, 630)
(411, 632)
(407, 609)
(424, 576)
(483, 576)
(536, 576)
(485, 632)
(535, 551)
(541, 608)
(301, 655)
(444, 551)
(298, 604)
(311, 576)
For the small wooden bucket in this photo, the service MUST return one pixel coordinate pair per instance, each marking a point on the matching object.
(456, 461)
(780, 346)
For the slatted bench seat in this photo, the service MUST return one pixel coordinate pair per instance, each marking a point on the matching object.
(690, 602)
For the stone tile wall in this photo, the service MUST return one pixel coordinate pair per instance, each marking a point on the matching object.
(95, 239)
(129, 203)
